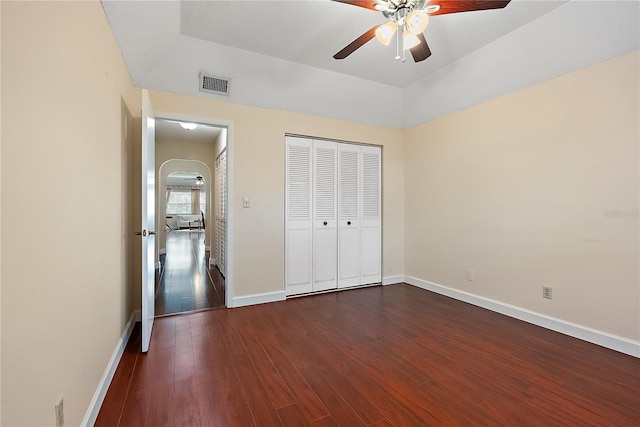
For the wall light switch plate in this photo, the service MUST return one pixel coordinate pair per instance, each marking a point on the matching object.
(245, 202)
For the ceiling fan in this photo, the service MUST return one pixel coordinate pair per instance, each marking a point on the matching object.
(198, 179)
(409, 18)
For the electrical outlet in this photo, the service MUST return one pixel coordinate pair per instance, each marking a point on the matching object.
(546, 292)
(470, 275)
(60, 413)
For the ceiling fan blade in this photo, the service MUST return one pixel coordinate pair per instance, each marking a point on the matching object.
(361, 3)
(455, 6)
(356, 44)
(421, 51)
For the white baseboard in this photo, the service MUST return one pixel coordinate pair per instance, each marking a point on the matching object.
(212, 261)
(392, 280)
(103, 386)
(604, 339)
(257, 299)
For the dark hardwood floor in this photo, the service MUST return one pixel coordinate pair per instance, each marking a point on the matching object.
(380, 356)
(187, 283)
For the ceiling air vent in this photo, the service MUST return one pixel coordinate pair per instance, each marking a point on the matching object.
(213, 84)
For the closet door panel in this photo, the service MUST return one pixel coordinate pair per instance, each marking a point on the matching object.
(371, 217)
(348, 215)
(370, 252)
(299, 258)
(298, 214)
(324, 215)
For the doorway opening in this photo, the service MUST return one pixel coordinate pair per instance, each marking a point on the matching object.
(187, 277)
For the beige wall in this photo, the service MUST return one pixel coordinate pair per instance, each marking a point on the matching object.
(66, 285)
(521, 189)
(256, 139)
(178, 150)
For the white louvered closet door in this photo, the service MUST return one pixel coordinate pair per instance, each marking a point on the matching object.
(220, 208)
(333, 215)
(298, 214)
(349, 188)
(325, 235)
(371, 216)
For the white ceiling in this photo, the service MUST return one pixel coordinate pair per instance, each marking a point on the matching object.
(311, 32)
(183, 179)
(278, 54)
(170, 130)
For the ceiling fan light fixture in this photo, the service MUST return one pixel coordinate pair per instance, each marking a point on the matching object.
(199, 180)
(188, 126)
(409, 40)
(385, 32)
(417, 21)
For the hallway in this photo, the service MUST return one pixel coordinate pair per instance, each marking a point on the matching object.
(186, 283)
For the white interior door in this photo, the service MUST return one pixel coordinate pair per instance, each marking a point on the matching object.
(148, 219)
(348, 215)
(298, 255)
(325, 234)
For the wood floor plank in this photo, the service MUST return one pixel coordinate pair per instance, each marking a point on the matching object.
(326, 422)
(382, 423)
(351, 369)
(306, 398)
(223, 403)
(340, 410)
(109, 415)
(233, 340)
(292, 416)
(136, 407)
(275, 385)
(185, 405)
(264, 413)
(379, 356)
(117, 392)
(220, 394)
(161, 409)
(318, 353)
(185, 367)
